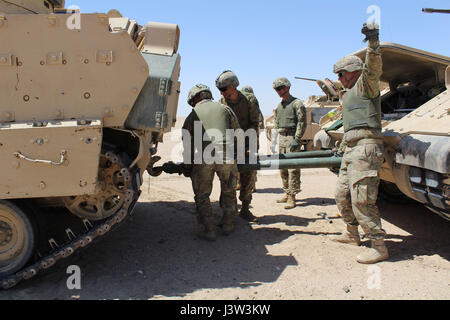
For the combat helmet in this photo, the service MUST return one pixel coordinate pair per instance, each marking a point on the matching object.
(227, 79)
(349, 63)
(197, 89)
(281, 82)
(247, 89)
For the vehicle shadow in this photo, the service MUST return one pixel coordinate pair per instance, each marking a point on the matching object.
(316, 202)
(429, 233)
(175, 262)
(292, 220)
(157, 253)
(269, 190)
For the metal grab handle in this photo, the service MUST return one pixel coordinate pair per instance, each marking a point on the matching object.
(60, 163)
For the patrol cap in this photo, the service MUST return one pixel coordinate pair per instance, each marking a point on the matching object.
(281, 82)
(227, 79)
(349, 63)
(247, 89)
(199, 88)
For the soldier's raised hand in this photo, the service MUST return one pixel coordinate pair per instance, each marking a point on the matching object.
(371, 31)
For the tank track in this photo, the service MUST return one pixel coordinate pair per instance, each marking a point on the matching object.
(432, 189)
(83, 240)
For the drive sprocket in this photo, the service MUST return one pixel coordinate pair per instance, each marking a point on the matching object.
(113, 182)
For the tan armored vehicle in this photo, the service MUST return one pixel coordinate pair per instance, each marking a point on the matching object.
(85, 100)
(316, 108)
(416, 120)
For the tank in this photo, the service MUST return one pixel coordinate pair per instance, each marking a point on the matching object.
(316, 108)
(86, 99)
(415, 117)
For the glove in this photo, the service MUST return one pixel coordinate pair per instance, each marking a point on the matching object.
(371, 31)
(339, 152)
(187, 170)
(294, 146)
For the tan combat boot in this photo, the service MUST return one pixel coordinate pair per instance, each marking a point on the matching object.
(208, 233)
(377, 253)
(246, 214)
(349, 237)
(290, 203)
(284, 199)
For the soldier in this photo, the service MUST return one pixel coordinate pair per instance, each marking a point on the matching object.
(291, 124)
(247, 111)
(211, 115)
(248, 91)
(357, 188)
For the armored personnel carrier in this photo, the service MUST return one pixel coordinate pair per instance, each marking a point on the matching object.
(85, 100)
(416, 126)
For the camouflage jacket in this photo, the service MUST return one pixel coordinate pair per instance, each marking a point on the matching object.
(368, 86)
(261, 116)
(301, 116)
(246, 110)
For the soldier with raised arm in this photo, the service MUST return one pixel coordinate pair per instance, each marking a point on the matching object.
(357, 188)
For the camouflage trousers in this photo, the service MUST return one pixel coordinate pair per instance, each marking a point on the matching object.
(202, 177)
(248, 181)
(291, 178)
(357, 187)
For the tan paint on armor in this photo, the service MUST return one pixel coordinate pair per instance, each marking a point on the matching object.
(26, 7)
(162, 38)
(24, 149)
(86, 73)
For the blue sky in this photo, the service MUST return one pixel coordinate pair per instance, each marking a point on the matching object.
(263, 40)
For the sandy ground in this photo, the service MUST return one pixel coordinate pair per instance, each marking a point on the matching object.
(157, 255)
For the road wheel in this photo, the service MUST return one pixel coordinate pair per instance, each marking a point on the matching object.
(17, 238)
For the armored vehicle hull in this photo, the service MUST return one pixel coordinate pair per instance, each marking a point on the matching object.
(86, 98)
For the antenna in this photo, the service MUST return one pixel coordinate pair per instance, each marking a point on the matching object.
(431, 10)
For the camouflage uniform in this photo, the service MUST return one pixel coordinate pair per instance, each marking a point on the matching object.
(249, 93)
(202, 175)
(248, 115)
(291, 178)
(357, 188)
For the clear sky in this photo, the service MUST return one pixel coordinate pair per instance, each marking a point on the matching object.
(262, 40)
